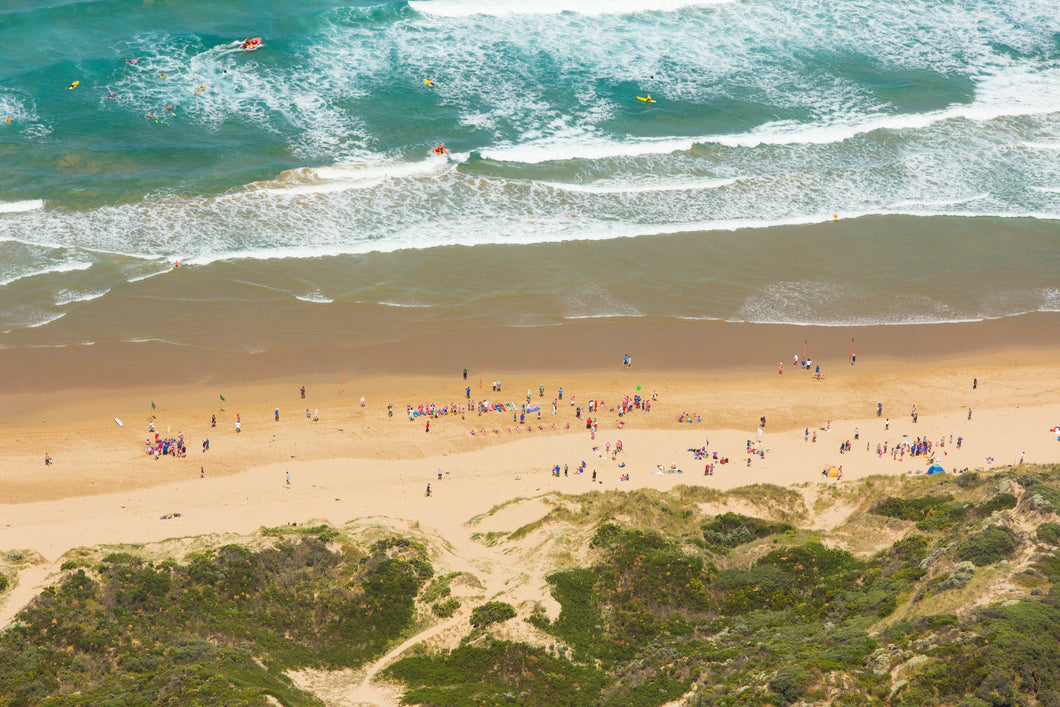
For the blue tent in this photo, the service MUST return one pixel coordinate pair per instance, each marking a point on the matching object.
(935, 469)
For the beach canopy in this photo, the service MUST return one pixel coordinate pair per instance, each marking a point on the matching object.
(832, 472)
(936, 469)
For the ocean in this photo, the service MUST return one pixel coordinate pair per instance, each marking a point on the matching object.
(839, 163)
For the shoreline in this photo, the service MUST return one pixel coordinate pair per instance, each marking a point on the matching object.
(32, 378)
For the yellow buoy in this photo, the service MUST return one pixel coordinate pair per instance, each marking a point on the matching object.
(72, 86)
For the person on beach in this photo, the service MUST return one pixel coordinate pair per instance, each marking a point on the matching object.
(303, 392)
(362, 401)
(439, 473)
(47, 459)
(969, 414)
(465, 374)
(428, 494)
(427, 427)
(975, 383)
(276, 414)
(780, 368)
(202, 472)
(288, 478)
(239, 426)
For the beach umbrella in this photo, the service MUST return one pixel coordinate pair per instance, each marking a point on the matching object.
(936, 469)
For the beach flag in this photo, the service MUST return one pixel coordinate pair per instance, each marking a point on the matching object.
(222, 398)
(152, 404)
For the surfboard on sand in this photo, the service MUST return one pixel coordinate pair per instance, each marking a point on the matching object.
(119, 422)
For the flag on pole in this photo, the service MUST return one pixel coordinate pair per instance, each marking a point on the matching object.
(152, 404)
(222, 398)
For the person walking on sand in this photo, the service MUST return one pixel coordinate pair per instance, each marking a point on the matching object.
(47, 459)
(428, 494)
(276, 414)
(202, 472)
(303, 392)
(288, 478)
(427, 427)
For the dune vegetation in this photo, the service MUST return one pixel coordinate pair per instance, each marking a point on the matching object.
(919, 591)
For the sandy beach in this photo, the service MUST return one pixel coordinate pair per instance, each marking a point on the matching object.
(357, 462)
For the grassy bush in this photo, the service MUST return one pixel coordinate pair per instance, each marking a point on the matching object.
(1049, 533)
(490, 613)
(325, 533)
(732, 529)
(3, 582)
(790, 684)
(499, 673)
(219, 629)
(987, 547)
(446, 608)
(910, 508)
(929, 512)
(1000, 502)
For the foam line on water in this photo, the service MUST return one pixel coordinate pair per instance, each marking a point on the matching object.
(612, 187)
(588, 8)
(57, 268)
(11, 207)
(65, 297)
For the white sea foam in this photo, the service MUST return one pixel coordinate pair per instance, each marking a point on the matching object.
(56, 268)
(10, 207)
(590, 8)
(41, 320)
(65, 297)
(613, 187)
(315, 297)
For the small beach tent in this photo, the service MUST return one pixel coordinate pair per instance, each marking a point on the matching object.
(935, 469)
(833, 472)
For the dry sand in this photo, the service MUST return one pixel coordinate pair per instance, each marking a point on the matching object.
(359, 463)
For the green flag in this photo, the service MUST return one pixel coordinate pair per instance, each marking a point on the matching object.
(152, 404)
(638, 387)
(222, 397)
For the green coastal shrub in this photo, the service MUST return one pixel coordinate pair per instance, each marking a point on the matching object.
(1049, 533)
(490, 613)
(1000, 502)
(446, 608)
(929, 512)
(221, 628)
(911, 508)
(732, 529)
(3, 582)
(994, 543)
(790, 683)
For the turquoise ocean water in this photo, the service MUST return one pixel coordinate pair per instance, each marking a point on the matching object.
(302, 174)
